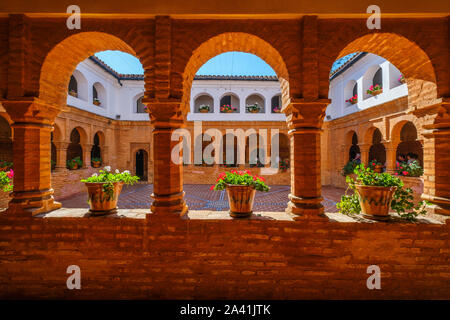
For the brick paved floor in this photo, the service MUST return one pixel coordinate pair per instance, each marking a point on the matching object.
(199, 197)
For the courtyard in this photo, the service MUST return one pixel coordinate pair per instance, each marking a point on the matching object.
(200, 197)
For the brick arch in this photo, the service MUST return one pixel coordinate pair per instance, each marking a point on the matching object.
(406, 56)
(63, 58)
(234, 41)
(398, 126)
(349, 137)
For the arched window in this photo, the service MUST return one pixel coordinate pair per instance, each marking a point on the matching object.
(94, 93)
(98, 94)
(140, 107)
(276, 104)
(229, 101)
(378, 78)
(354, 149)
(73, 86)
(355, 89)
(75, 151)
(254, 104)
(204, 103)
(409, 143)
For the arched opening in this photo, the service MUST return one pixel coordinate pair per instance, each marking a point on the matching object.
(378, 78)
(276, 104)
(142, 165)
(204, 103)
(96, 150)
(99, 95)
(354, 148)
(229, 103)
(229, 150)
(75, 150)
(255, 150)
(73, 87)
(351, 92)
(371, 75)
(377, 151)
(409, 144)
(255, 104)
(6, 144)
(140, 107)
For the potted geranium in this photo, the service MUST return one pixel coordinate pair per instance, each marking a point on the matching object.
(96, 102)
(401, 79)
(241, 187)
(353, 99)
(96, 162)
(73, 93)
(412, 169)
(204, 108)
(375, 90)
(226, 108)
(276, 110)
(5, 165)
(104, 189)
(75, 163)
(6, 180)
(283, 165)
(253, 108)
(349, 167)
(375, 193)
(376, 166)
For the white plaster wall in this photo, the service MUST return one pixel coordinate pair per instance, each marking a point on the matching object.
(391, 88)
(121, 97)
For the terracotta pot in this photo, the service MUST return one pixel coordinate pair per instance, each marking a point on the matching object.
(73, 94)
(353, 102)
(75, 167)
(378, 169)
(97, 103)
(100, 202)
(204, 111)
(241, 200)
(96, 164)
(254, 111)
(375, 201)
(375, 93)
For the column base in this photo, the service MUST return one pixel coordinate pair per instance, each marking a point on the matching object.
(169, 204)
(438, 205)
(305, 208)
(32, 203)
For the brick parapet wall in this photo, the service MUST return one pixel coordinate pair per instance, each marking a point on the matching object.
(214, 259)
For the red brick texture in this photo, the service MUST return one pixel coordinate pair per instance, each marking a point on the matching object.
(221, 259)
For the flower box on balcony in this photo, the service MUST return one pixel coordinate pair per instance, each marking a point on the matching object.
(203, 108)
(96, 102)
(353, 100)
(254, 108)
(227, 109)
(73, 93)
(375, 90)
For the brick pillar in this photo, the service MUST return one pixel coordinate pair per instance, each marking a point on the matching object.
(104, 153)
(391, 155)
(168, 192)
(364, 149)
(32, 125)
(61, 155)
(304, 122)
(436, 150)
(87, 147)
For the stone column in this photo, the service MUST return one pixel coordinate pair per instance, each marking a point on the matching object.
(436, 152)
(304, 121)
(87, 147)
(32, 124)
(364, 149)
(104, 155)
(391, 155)
(61, 155)
(168, 192)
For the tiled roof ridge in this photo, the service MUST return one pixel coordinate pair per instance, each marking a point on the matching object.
(347, 64)
(120, 76)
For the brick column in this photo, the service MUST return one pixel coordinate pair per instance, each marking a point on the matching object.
(304, 122)
(436, 152)
(87, 147)
(32, 125)
(61, 155)
(364, 149)
(168, 192)
(391, 155)
(104, 153)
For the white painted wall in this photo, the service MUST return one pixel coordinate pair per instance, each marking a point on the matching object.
(362, 72)
(120, 98)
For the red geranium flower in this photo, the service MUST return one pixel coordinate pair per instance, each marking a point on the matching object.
(405, 173)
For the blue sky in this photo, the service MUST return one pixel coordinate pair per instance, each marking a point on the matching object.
(229, 63)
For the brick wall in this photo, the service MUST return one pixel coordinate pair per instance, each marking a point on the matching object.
(214, 259)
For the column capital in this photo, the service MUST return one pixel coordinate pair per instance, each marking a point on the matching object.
(165, 114)
(31, 110)
(301, 113)
(364, 146)
(61, 145)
